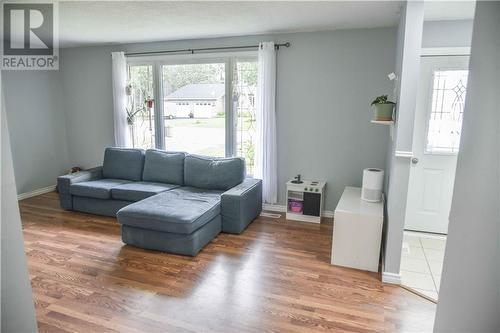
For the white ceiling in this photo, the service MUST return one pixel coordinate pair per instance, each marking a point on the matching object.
(83, 23)
(104, 22)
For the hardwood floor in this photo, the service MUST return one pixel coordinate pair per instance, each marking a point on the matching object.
(275, 277)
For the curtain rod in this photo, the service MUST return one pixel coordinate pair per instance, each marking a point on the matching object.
(192, 51)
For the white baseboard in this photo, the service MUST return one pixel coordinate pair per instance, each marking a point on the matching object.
(282, 209)
(391, 278)
(327, 213)
(34, 193)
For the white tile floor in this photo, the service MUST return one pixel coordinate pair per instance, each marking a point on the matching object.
(422, 262)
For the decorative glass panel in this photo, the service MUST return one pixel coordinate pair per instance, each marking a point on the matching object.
(445, 122)
(244, 98)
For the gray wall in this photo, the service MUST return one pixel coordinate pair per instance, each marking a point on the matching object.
(37, 127)
(326, 81)
(408, 71)
(18, 312)
(469, 299)
(456, 33)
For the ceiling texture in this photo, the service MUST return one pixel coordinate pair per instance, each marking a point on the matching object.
(84, 23)
(104, 22)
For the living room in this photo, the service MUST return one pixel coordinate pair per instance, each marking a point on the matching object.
(196, 160)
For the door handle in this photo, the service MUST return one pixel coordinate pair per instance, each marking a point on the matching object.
(414, 160)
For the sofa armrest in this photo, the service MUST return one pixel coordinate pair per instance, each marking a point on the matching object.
(241, 205)
(64, 183)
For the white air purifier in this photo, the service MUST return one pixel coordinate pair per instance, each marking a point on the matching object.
(373, 182)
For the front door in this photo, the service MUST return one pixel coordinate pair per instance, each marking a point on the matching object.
(436, 138)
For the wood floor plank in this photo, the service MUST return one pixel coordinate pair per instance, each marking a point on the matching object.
(275, 277)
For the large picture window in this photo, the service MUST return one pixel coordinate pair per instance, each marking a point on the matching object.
(193, 107)
(201, 106)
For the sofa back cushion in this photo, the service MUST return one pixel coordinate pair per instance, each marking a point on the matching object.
(213, 173)
(123, 163)
(164, 167)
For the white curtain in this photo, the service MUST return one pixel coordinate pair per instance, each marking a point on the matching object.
(119, 72)
(266, 167)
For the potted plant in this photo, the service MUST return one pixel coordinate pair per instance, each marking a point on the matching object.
(131, 113)
(128, 89)
(382, 108)
(149, 102)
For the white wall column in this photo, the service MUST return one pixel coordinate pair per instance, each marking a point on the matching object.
(408, 71)
(469, 299)
(18, 311)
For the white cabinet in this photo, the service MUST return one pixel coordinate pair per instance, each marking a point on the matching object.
(357, 231)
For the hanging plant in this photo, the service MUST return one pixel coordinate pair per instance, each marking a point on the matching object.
(149, 102)
(131, 115)
(128, 89)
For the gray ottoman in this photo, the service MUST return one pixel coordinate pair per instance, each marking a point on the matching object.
(180, 221)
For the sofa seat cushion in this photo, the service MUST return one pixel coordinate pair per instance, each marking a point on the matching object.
(137, 191)
(182, 210)
(99, 189)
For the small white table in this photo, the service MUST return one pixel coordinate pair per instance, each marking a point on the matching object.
(311, 194)
(357, 231)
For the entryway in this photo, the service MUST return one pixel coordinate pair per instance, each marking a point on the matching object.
(437, 128)
(422, 262)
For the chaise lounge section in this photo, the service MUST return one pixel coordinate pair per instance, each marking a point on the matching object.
(166, 201)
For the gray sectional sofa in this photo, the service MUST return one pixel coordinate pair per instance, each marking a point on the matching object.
(166, 201)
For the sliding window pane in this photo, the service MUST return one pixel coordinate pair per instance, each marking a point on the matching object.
(244, 98)
(194, 109)
(140, 106)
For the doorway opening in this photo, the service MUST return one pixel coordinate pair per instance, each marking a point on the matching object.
(437, 129)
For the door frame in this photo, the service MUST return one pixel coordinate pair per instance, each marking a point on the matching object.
(444, 51)
(435, 52)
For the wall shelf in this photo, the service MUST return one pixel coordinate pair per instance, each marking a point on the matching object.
(383, 122)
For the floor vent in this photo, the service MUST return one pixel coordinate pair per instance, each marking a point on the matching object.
(271, 215)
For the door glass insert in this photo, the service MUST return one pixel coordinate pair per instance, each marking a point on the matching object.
(445, 121)
(194, 108)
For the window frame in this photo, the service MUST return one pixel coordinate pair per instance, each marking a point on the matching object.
(229, 59)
